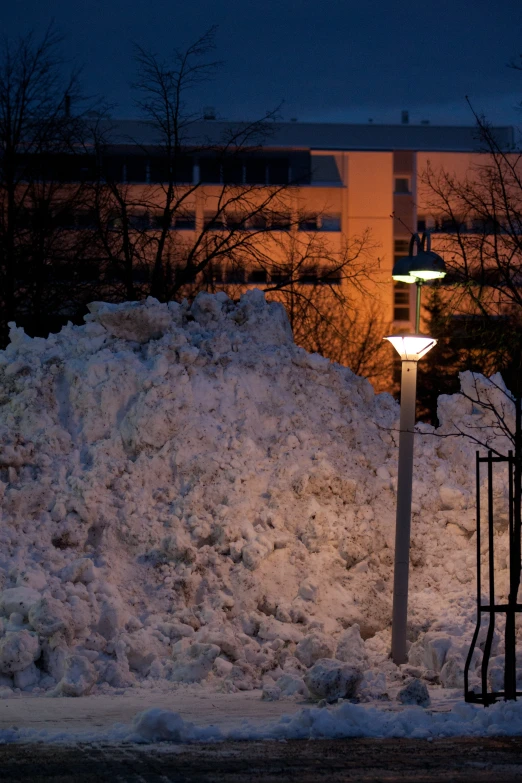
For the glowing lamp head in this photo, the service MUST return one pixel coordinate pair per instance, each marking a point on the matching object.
(426, 265)
(401, 271)
(411, 347)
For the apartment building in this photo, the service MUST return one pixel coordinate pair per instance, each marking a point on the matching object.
(349, 179)
(326, 184)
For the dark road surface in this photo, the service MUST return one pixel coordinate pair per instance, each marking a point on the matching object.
(473, 760)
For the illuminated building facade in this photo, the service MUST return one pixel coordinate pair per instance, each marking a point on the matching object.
(332, 185)
(349, 179)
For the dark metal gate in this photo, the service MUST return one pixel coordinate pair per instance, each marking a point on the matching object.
(491, 609)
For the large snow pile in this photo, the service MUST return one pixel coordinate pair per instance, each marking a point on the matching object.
(189, 496)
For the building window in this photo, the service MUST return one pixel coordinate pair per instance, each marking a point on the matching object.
(232, 172)
(63, 219)
(308, 276)
(258, 222)
(281, 276)
(156, 221)
(115, 222)
(236, 222)
(402, 185)
(235, 274)
(401, 302)
(213, 221)
(139, 221)
(281, 221)
(136, 170)
(330, 276)
(141, 274)
(183, 274)
(185, 222)
(401, 248)
(210, 170)
(308, 223)
(255, 171)
(421, 223)
(320, 223)
(329, 223)
(83, 270)
(213, 273)
(86, 219)
(57, 167)
(113, 168)
(257, 276)
(449, 224)
(278, 171)
(179, 168)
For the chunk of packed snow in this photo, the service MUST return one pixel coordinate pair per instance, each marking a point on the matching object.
(78, 678)
(193, 661)
(415, 692)
(313, 647)
(350, 647)
(331, 680)
(18, 650)
(18, 599)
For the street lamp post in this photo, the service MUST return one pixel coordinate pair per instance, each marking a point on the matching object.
(425, 265)
(410, 348)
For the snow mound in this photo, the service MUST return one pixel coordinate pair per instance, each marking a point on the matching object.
(346, 720)
(189, 496)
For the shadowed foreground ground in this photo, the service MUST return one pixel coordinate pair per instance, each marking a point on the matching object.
(237, 762)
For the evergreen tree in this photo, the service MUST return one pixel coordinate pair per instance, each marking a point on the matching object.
(480, 343)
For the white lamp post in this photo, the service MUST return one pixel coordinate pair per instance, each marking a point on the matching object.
(410, 348)
(426, 265)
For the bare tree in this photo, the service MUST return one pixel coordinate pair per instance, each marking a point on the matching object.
(480, 223)
(353, 336)
(80, 223)
(136, 223)
(42, 174)
(328, 294)
(478, 220)
(247, 230)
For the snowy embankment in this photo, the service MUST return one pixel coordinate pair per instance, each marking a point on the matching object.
(189, 497)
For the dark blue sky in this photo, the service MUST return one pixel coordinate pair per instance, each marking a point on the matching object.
(329, 60)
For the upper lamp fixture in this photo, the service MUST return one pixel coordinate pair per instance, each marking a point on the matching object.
(411, 347)
(426, 265)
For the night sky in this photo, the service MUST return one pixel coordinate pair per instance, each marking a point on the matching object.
(328, 60)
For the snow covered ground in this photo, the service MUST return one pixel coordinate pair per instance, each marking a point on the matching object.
(188, 497)
(196, 714)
